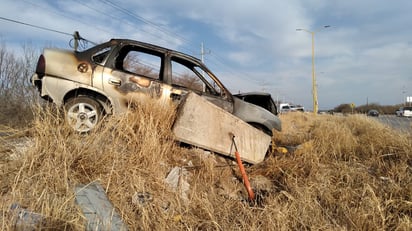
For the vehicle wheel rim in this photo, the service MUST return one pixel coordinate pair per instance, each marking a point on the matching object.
(82, 117)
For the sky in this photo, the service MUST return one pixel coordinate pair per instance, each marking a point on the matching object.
(364, 57)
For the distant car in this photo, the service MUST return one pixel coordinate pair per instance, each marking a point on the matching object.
(324, 112)
(373, 112)
(399, 112)
(111, 77)
(284, 107)
(407, 111)
(404, 112)
(297, 108)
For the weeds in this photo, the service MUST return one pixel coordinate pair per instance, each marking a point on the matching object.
(342, 173)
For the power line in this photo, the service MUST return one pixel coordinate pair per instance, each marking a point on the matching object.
(120, 19)
(166, 31)
(134, 15)
(148, 22)
(75, 36)
(126, 11)
(35, 26)
(71, 18)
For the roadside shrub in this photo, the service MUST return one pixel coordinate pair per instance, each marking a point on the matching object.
(17, 96)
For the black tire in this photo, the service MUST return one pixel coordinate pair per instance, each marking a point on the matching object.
(83, 113)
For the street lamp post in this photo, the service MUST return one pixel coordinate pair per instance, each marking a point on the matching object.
(314, 86)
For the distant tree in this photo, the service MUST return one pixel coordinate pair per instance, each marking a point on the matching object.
(187, 80)
(366, 108)
(387, 109)
(343, 108)
(16, 93)
(134, 64)
(383, 109)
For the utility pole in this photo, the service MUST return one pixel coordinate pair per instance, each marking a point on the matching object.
(203, 53)
(314, 85)
(76, 38)
(403, 95)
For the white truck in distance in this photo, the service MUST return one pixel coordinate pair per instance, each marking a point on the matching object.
(286, 107)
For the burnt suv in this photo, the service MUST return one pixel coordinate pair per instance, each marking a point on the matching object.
(109, 77)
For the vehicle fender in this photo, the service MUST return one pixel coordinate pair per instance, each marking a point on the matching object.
(251, 113)
(57, 89)
(66, 64)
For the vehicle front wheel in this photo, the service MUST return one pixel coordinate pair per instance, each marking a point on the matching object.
(83, 113)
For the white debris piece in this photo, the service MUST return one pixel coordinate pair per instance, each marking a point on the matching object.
(177, 179)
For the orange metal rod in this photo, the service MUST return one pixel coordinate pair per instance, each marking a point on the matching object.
(243, 172)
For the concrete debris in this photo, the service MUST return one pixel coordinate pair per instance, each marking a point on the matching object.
(177, 179)
(25, 220)
(97, 209)
(205, 125)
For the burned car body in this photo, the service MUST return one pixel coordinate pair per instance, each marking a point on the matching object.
(109, 77)
(261, 99)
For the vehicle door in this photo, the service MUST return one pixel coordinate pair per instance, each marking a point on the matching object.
(133, 73)
(186, 76)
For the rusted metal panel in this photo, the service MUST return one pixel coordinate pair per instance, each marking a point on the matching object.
(205, 125)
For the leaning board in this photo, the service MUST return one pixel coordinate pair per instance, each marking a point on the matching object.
(205, 125)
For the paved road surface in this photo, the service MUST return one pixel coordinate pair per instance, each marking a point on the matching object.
(401, 123)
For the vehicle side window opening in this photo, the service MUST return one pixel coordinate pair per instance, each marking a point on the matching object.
(137, 61)
(100, 56)
(210, 85)
(188, 75)
(260, 101)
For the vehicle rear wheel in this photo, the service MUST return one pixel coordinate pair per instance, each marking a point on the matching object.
(83, 113)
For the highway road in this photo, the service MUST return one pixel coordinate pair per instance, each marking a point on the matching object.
(401, 123)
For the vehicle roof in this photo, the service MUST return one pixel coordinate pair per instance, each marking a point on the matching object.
(117, 41)
(253, 93)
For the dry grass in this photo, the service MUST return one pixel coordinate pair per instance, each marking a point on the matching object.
(343, 173)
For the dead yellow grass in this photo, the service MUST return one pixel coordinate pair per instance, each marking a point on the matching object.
(342, 173)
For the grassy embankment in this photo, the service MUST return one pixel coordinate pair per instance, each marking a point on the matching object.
(345, 173)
